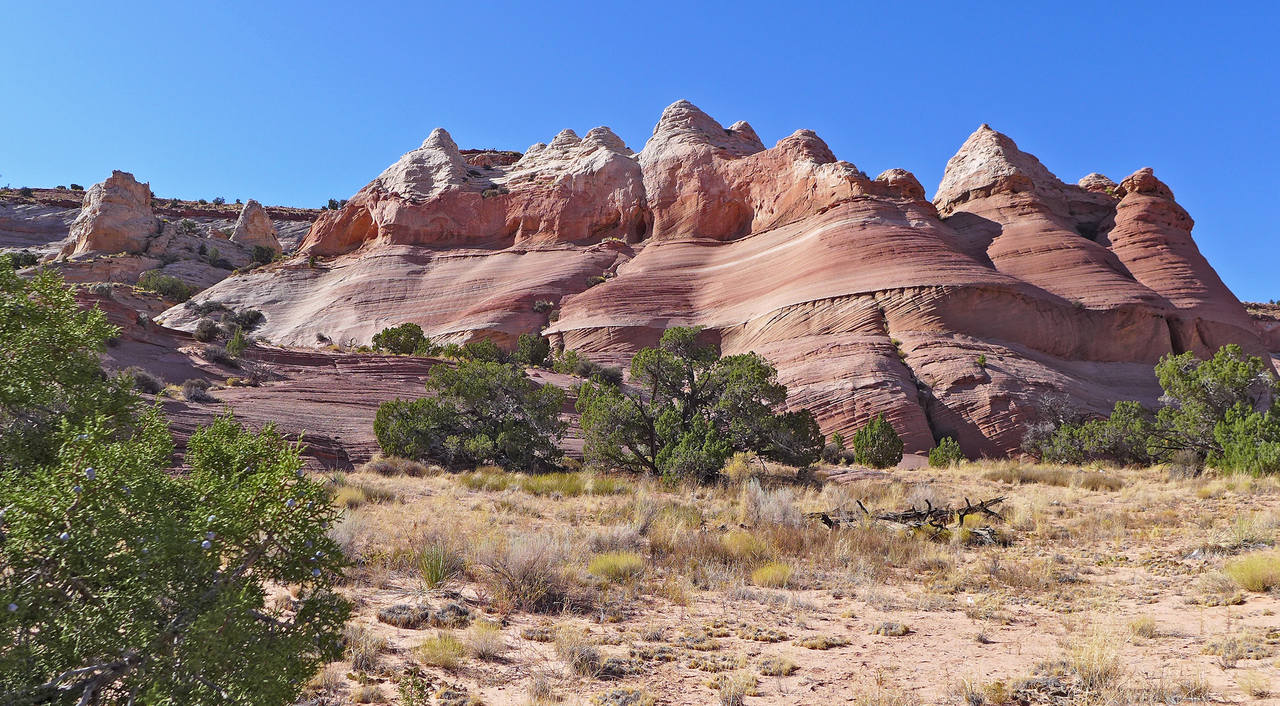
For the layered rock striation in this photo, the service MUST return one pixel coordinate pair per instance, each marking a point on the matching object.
(952, 317)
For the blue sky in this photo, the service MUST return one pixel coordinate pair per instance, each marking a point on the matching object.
(296, 102)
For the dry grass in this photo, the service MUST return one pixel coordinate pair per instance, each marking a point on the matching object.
(1256, 572)
(617, 566)
(442, 650)
(1018, 474)
(484, 640)
(396, 466)
(625, 572)
(772, 575)
(363, 647)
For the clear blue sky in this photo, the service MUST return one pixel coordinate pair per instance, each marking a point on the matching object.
(296, 102)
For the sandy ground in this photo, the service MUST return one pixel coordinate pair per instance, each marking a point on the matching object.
(1117, 583)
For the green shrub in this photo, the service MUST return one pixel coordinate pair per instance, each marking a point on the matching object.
(206, 330)
(50, 369)
(946, 453)
(144, 381)
(532, 349)
(404, 339)
(696, 409)
(483, 350)
(156, 583)
(263, 255)
(480, 412)
(167, 286)
(237, 343)
(877, 444)
(22, 259)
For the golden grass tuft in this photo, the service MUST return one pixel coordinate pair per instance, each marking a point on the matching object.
(483, 640)
(442, 650)
(772, 575)
(617, 566)
(1256, 572)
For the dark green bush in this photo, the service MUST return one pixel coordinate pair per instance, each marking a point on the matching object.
(144, 381)
(483, 350)
(405, 339)
(49, 367)
(157, 583)
(946, 453)
(206, 330)
(166, 286)
(22, 259)
(263, 255)
(480, 412)
(690, 410)
(877, 444)
(532, 349)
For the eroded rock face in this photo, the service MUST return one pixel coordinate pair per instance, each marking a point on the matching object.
(116, 217)
(952, 317)
(254, 228)
(573, 190)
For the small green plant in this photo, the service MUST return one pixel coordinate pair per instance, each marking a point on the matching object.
(982, 360)
(946, 453)
(437, 564)
(877, 444)
(405, 339)
(237, 342)
(167, 286)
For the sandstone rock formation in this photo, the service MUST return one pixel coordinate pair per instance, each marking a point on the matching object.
(116, 217)
(254, 228)
(952, 317)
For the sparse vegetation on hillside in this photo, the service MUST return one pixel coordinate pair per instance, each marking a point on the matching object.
(167, 286)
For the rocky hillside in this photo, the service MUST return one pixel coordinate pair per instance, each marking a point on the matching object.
(953, 317)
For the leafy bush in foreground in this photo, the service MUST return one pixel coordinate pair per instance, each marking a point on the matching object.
(121, 581)
(49, 369)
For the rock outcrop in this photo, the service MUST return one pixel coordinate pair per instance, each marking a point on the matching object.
(116, 217)
(254, 228)
(572, 190)
(952, 317)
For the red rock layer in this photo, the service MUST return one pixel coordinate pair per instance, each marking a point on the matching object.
(950, 317)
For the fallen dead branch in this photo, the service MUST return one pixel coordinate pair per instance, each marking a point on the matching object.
(936, 517)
